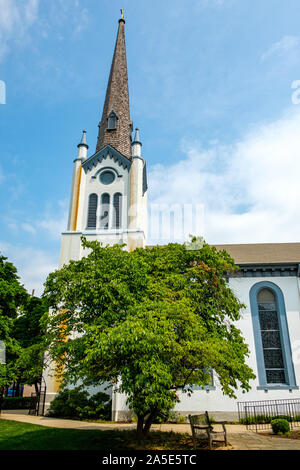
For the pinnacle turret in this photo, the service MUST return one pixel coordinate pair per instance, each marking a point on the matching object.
(136, 146)
(82, 147)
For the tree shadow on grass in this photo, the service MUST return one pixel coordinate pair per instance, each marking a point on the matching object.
(24, 436)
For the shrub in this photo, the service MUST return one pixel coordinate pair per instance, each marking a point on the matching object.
(169, 416)
(16, 403)
(175, 417)
(78, 404)
(100, 405)
(286, 417)
(258, 419)
(264, 419)
(280, 426)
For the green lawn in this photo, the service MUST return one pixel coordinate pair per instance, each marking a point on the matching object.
(23, 436)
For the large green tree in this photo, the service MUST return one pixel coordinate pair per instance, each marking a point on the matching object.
(151, 321)
(13, 297)
(21, 331)
(29, 330)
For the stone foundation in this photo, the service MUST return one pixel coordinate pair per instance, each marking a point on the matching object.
(230, 416)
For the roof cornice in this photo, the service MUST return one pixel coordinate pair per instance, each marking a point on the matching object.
(267, 270)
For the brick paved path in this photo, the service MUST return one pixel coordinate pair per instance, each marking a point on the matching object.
(238, 436)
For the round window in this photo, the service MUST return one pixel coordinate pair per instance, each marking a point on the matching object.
(107, 177)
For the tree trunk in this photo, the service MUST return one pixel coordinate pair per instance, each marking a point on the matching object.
(143, 427)
(1, 397)
(139, 429)
(17, 389)
(36, 386)
(149, 422)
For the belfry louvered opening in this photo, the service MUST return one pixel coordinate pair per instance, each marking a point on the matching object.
(92, 211)
(104, 216)
(117, 210)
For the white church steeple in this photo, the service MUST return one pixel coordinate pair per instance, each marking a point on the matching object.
(109, 189)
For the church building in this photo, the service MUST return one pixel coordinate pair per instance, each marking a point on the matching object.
(108, 203)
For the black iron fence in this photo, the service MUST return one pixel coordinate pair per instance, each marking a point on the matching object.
(257, 415)
(33, 404)
(41, 403)
(37, 404)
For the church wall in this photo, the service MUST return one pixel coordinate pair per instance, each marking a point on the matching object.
(70, 247)
(213, 400)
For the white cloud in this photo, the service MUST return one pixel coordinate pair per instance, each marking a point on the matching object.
(54, 221)
(33, 264)
(250, 190)
(83, 21)
(15, 20)
(72, 15)
(28, 228)
(282, 47)
(53, 226)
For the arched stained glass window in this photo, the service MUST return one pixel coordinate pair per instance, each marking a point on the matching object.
(271, 335)
(92, 211)
(117, 210)
(104, 215)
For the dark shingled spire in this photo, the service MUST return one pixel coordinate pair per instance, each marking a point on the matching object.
(117, 100)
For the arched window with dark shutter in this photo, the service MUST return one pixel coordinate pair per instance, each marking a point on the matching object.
(117, 210)
(104, 215)
(92, 210)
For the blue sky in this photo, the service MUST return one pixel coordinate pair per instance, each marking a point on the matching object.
(210, 89)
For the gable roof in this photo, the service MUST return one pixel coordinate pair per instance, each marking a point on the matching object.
(261, 253)
(107, 151)
(258, 253)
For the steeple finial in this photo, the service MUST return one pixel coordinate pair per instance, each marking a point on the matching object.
(122, 14)
(117, 133)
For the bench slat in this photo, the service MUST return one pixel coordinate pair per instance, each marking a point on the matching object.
(211, 434)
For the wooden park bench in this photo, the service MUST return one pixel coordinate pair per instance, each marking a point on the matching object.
(202, 429)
